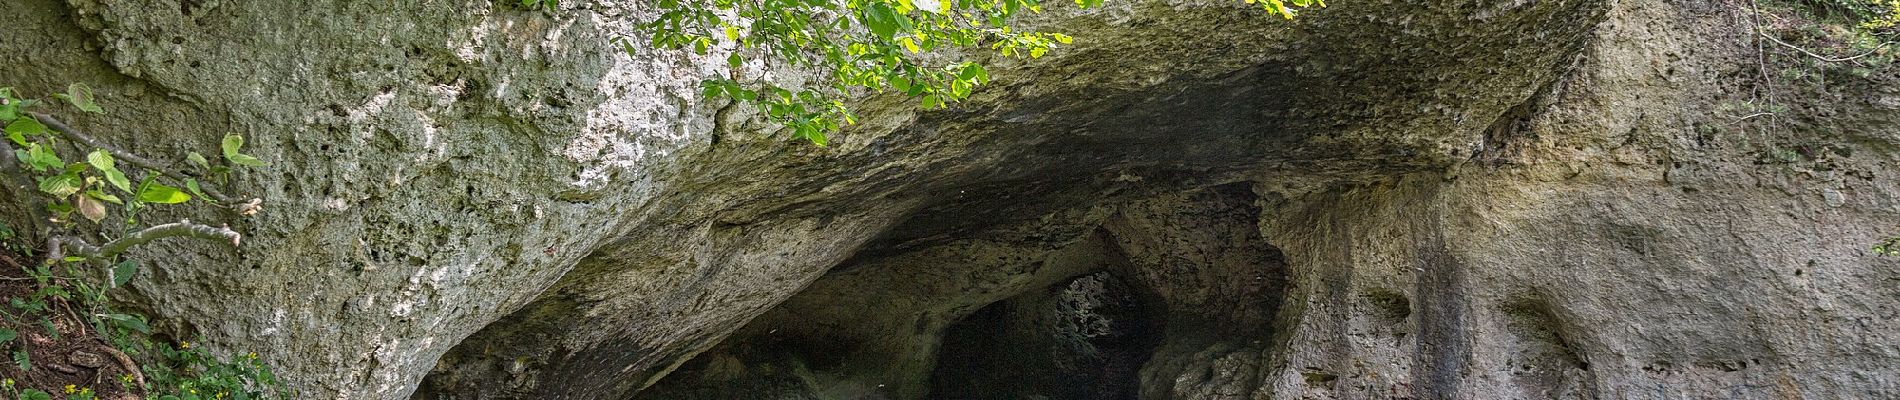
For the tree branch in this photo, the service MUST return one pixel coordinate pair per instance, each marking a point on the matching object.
(1818, 56)
(76, 135)
(136, 160)
(110, 249)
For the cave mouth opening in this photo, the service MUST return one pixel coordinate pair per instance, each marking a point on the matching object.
(1110, 302)
(1082, 339)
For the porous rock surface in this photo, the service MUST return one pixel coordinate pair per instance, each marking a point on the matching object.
(1436, 199)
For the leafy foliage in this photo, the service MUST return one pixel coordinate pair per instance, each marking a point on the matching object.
(859, 45)
(1868, 14)
(189, 373)
(85, 186)
(1888, 247)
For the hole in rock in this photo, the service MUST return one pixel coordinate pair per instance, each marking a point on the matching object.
(1109, 308)
(1085, 339)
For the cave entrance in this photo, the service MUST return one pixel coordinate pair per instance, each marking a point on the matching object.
(1114, 301)
(1083, 339)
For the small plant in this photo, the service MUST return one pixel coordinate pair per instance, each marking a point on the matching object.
(186, 372)
(68, 286)
(1888, 247)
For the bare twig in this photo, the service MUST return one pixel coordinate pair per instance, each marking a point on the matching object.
(82, 137)
(125, 362)
(114, 248)
(55, 249)
(180, 228)
(1745, 118)
(1818, 56)
(1761, 54)
(128, 157)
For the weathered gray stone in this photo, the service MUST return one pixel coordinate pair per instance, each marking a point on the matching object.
(1444, 199)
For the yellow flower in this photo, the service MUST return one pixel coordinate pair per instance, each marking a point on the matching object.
(184, 345)
(71, 389)
(252, 356)
(127, 378)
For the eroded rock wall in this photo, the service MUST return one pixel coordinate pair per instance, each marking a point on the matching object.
(1451, 198)
(1622, 233)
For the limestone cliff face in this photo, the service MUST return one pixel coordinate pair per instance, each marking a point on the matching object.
(1438, 199)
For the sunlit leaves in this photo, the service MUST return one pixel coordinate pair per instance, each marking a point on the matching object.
(61, 185)
(102, 160)
(860, 45)
(1285, 8)
(161, 194)
(876, 45)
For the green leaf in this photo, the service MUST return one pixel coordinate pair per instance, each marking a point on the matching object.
(81, 96)
(627, 46)
(246, 160)
(882, 20)
(61, 185)
(41, 158)
(100, 159)
(161, 194)
(22, 128)
(30, 394)
(192, 185)
(129, 322)
(735, 61)
(123, 272)
(118, 180)
(198, 160)
(974, 73)
(26, 364)
(231, 144)
(103, 161)
(7, 335)
(12, 106)
(101, 195)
